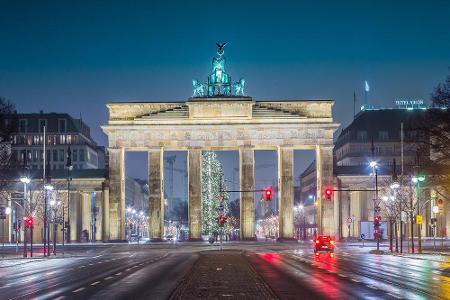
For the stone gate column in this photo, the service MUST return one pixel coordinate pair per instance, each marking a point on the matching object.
(325, 209)
(99, 208)
(116, 194)
(286, 193)
(247, 184)
(75, 216)
(194, 165)
(156, 195)
(86, 213)
(105, 212)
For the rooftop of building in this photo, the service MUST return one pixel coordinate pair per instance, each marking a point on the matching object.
(375, 120)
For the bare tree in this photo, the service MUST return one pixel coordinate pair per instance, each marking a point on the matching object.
(435, 150)
(7, 127)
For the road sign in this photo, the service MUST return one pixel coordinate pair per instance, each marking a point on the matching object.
(419, 219)
(2, 213)
(349, 220)
(377, 209)
(403, 216)
(363, 236)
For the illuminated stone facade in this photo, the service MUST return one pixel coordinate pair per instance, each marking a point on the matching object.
(220, 123)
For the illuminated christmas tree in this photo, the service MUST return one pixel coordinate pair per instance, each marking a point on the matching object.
(213, 191)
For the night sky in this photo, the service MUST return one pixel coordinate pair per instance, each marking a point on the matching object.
(75, 56)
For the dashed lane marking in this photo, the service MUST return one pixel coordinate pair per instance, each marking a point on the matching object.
(128, 269)
(60, 297)
(108, 278)
(78, 290)
(118, 274)
(355, 280)
(95, 283)
(342, 275)
(394, 295)
(372, 287)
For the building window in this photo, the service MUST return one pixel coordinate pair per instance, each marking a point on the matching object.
(361, 135)
(383, 135)
(61, 155)
(55, 155)
(69, 139)
(75, 155)
(43, 123)
(23, 125)
(62, 125)
(81, 155)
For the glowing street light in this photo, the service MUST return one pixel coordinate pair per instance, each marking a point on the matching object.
(373, 164)
(435, 209)
(25, 179)
(8, 210)
(48, 187)
(417, 179)
(395, 185)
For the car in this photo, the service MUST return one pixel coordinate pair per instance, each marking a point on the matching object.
(323, 242)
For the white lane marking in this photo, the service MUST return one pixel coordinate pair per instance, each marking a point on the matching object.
(50, 273)
(342, 275)
(355, 280)
(60, 297)
(372, 287)
(95, 283)
(120, 273)
(128, 269)
(108, 278)
(81, 267)
(78, 290)
(394, 295)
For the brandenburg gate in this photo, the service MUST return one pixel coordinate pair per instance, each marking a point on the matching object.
(220, 117)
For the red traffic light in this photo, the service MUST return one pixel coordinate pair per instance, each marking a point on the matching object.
(377, 221)
(28, 221)
(268, 193)
(222, 220)
(328, 193)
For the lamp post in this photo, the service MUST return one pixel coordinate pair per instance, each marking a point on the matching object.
(435, 211)
(48, 188)
(417, 180)
(313, 197)
(69, 168)
(25, 180)
(54, 208)
(373, 165)
(394, 187)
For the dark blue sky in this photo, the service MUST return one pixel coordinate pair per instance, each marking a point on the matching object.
(75, 56)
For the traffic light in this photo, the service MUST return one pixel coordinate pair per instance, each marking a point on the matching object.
(377, 221)
(328, 193)
(268, 193)
(222, 220)
(28, 221)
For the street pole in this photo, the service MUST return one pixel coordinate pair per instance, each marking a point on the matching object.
(401, 228)
(412, 222)
(376, 197)
(24, 226)
(418, 212)
(68, 206)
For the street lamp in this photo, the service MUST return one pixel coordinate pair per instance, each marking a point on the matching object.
(373, 164)
(435, 209)
(25, 180)
(417, 180)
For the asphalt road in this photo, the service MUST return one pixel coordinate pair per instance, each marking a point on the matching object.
(290, 270)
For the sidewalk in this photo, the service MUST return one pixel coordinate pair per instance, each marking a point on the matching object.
(222, 274)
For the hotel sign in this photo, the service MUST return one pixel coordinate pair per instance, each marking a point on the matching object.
(408, 102)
